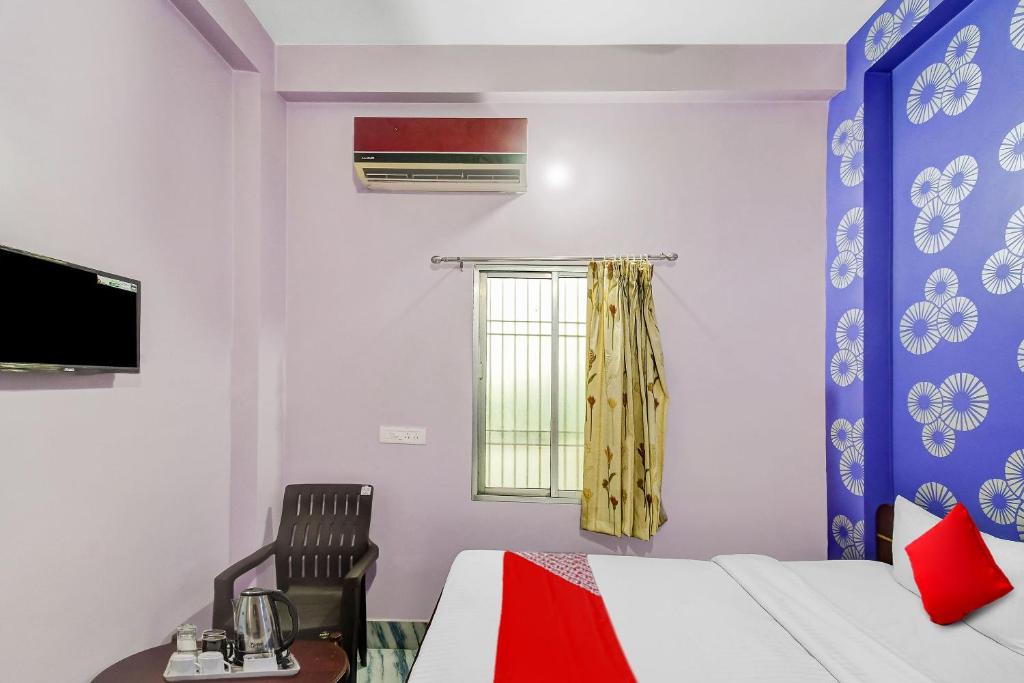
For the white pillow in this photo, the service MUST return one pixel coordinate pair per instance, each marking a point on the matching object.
(1003, 620)
(910, 522)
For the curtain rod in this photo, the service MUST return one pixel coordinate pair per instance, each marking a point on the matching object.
(663, 256)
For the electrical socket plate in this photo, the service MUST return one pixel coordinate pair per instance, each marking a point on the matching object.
(410, 436)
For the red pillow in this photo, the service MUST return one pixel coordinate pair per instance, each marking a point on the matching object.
(954, 568)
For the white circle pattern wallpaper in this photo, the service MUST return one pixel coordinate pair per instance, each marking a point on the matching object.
(1014, 472)
(848, 438)
(909, 14)
(1011, 149)
(1017, 26)
(998, 501)
(963, 47)
(941, 286)
(1014, 235)
(939, 195)
(848, 263)
(942, 316)
(881, 36)
(925, 187)
(919, 327)
(949, 86)
(855, 550)
(936, 226)
(924, 402)
(938, 438)
(958, 179)
(847, 363)
(935, 498)
(1002, 500)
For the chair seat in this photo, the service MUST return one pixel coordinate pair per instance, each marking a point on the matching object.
(319, 608)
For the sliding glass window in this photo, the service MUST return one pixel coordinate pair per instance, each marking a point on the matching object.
(529, 361)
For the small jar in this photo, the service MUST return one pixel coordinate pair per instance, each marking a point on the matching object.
(186, 639)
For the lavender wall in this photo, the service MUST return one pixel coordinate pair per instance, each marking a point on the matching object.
(116, 139)
(378, 336)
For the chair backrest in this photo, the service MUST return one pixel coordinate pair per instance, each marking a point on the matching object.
(324, 529)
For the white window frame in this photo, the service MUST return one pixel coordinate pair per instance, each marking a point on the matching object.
(480, 274)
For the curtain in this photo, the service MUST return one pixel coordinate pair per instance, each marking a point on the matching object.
(624, 434)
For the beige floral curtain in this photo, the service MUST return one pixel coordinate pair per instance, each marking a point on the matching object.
(624, 437)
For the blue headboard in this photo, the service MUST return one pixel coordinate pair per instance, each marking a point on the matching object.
(925, 304)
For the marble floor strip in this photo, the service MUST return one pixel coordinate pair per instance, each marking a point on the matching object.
(386, 666)
(395, 635)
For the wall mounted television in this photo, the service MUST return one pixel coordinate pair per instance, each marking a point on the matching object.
(61, 317)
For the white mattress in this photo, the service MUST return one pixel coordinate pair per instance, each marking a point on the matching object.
(739, 618)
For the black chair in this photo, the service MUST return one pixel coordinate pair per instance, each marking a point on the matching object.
(321, 554)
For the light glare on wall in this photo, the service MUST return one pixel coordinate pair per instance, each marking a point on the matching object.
(558, 175)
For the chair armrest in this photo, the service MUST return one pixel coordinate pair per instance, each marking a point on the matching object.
(224, 583)
(364, 563)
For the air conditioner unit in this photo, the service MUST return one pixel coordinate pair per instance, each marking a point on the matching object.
(441, 154)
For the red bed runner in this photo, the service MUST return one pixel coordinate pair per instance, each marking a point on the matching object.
(554, 626)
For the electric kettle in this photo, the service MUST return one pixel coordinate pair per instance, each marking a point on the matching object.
(258, 626)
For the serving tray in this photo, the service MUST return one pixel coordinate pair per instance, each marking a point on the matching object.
(236, 672)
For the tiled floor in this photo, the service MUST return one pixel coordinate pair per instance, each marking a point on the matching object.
(392, 647)
(386, 666)
(395, 635)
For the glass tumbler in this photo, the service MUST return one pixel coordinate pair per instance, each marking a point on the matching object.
(186, 639)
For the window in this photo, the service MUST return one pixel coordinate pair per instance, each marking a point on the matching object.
(530, 359)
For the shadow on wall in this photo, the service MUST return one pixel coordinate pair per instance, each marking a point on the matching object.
(264, 575)
(620, 545)
(45, 381)
(201, 617)
(690, 313)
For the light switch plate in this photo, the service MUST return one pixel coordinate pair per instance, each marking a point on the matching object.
(414, 436)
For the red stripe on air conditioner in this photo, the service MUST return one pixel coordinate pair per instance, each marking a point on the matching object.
(401, 134)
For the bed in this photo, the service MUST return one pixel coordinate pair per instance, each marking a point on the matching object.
(733, 618)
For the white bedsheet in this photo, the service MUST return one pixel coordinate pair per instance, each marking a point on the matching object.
(866, 592)
(688, 620)
(682, 620)
(463, 635)
(847, 651)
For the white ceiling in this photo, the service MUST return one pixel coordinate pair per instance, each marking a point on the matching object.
(561, 22)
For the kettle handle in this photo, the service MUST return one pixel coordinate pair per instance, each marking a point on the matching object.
(278, 596)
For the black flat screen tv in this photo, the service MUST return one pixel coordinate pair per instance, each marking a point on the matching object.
(60, 317)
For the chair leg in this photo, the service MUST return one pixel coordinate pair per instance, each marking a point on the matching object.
(362, 622)
(350, 626)
(352, 652)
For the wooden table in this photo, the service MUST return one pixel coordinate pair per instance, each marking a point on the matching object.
(320, 661)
